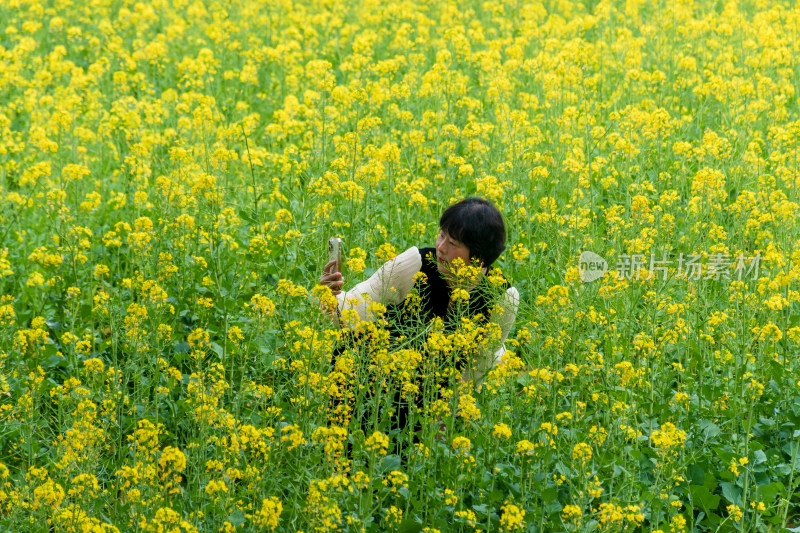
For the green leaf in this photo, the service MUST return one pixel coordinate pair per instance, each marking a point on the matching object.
(410, 525)
(759, 457)
(549, 495)
(54, 361)
(702, 497)
(791, 448)
(217, 349)
(182, 347)
(237, 518)
(389, 463)
(732, 493)
(708, 429)
(524, 380)
(496, 496)
(550, 500)
(481, 509)
(247, 214)
(696, 474)
(767, 493)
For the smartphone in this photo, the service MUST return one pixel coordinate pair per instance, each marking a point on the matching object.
(335, 246)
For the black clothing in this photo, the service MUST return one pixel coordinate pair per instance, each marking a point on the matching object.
(429, 299)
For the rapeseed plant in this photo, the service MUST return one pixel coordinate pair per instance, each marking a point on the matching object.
(170, 173)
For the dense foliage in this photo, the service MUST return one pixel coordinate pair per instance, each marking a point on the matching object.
(170, 173)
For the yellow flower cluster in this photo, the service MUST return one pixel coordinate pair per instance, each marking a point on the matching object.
(171, 171)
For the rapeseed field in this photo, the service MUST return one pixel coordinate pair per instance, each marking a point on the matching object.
(170, 173)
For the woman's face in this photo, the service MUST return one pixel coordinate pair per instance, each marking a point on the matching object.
(448, 250)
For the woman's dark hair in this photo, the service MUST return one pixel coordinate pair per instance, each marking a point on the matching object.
(479, 226)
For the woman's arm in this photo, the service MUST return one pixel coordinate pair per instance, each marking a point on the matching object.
(504, 315)
(390, 284)
(507, 313)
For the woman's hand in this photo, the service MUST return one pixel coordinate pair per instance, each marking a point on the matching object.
(331, 278)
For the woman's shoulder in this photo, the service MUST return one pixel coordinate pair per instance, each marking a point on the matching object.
(418, 259)
(427, 258)
(405, 264)
(411, 255)
(426, 252)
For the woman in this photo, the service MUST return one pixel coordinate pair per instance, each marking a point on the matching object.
(471, 232)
